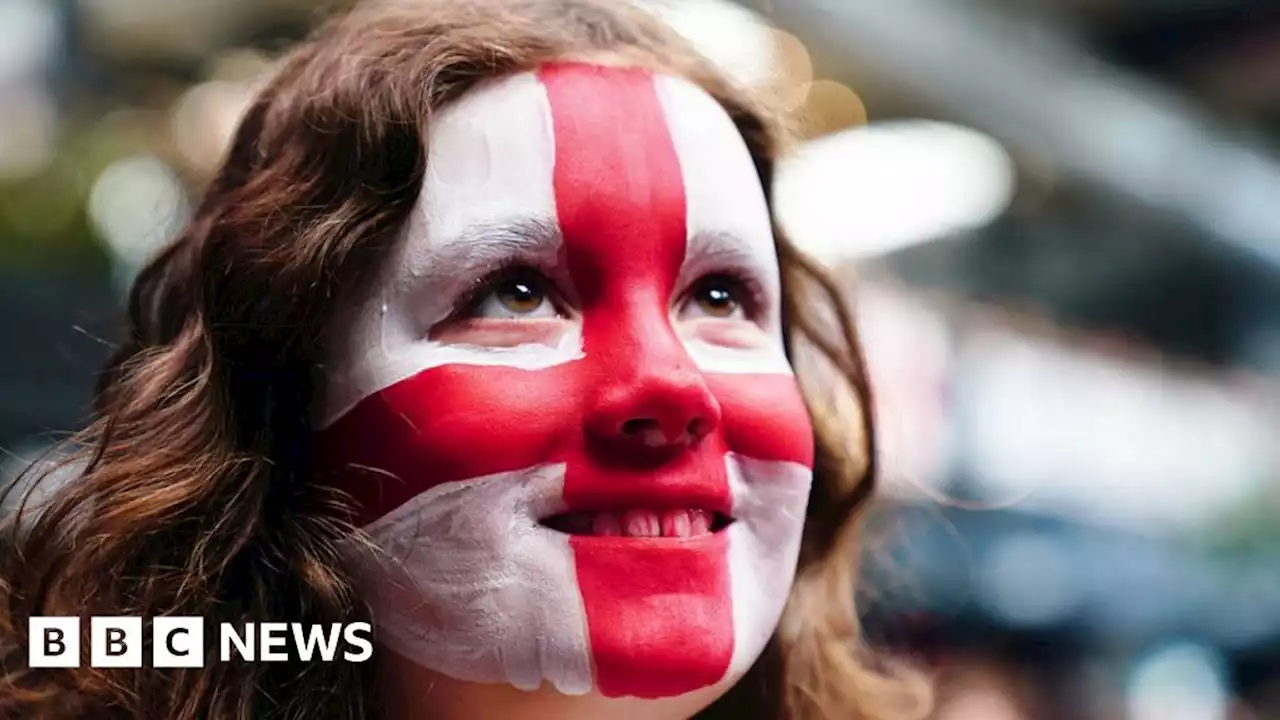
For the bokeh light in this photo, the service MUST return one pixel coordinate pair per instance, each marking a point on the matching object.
(137, 205)
(1181, 681)
(736, 39)
(28, 131)
(830, 107)
(870, 191)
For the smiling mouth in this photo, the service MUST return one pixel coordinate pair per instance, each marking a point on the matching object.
(640, 523)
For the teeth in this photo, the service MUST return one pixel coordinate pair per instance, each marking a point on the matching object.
(641, 523)
(699, 522)
(676, 523)
(606, 525)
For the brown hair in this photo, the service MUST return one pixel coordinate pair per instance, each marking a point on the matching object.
(191, 493)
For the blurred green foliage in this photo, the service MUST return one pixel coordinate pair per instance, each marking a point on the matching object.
(1249, 529)
(44, 221)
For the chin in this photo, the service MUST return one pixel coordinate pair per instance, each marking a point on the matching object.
(415, 692)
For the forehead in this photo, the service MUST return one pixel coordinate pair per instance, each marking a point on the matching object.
(492, 155)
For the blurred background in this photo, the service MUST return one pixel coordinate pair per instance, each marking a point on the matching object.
(1063, 218)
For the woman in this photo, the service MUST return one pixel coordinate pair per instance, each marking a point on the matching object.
(483, 330)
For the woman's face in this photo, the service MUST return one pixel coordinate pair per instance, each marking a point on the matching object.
(564, 410)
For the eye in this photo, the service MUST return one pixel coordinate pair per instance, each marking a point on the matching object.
(515, 294)
(717, 296)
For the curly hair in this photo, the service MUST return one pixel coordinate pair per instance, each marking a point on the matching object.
(191, 493)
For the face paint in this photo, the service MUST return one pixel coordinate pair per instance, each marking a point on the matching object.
(624, 189)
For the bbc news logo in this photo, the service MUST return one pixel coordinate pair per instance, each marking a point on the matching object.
(179, 642)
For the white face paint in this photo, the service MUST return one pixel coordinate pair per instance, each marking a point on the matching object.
(484, 154)
(592, 468)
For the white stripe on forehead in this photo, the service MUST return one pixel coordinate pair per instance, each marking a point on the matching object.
(491, 158)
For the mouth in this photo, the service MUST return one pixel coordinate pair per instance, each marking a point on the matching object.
(640, 523)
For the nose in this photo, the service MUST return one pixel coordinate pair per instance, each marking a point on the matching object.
(664, 408)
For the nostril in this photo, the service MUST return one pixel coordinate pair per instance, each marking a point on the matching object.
(698, 429)
(651, 432)
(636, 426)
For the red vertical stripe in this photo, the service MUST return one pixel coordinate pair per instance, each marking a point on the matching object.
(659, 617)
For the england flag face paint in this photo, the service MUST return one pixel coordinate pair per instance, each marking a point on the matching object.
(565, 411)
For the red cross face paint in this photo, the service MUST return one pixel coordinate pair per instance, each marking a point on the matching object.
(592, 470)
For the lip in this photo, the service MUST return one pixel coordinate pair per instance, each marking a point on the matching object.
(702, 486)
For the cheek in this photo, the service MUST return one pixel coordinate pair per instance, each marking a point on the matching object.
(477, 422)
(447, 424)
(765, 417)
(736, 334)
(501, 333)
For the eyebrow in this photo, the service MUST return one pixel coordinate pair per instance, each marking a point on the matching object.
(714, 248)
(485, 247)
(444, 269)
(492, 243)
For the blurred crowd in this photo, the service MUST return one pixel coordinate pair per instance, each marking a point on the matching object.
(1061, 219)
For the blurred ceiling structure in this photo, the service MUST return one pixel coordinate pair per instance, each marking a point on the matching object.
(1179, 243)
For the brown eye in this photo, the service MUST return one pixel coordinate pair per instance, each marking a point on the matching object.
(515, 296)
(519, 296)
(716, 296)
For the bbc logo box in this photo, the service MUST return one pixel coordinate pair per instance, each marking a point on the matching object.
(54, 642)
(177, 642)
